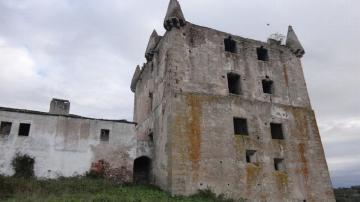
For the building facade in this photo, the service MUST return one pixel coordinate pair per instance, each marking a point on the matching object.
(211, 111)
(227, 113)
(66, 145)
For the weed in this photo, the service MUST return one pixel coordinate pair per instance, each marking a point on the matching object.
(23, 165)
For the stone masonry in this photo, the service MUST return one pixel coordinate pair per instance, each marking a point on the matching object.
(219, 111)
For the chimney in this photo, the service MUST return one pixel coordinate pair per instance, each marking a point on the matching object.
(59, 106)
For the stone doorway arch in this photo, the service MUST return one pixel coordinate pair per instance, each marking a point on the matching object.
(141, 171)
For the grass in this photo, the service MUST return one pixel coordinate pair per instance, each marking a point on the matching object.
(88, 189)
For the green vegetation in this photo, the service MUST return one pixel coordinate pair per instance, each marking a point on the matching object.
(90, 189)
(23, 166)
(351, 194)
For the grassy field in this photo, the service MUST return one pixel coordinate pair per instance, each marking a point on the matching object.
(88, 189)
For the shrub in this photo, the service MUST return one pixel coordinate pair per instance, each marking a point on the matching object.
(23, 165)
(208, 194)
(6, 189)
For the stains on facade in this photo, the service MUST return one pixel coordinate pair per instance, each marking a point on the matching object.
(185, 139)
(196, 145)
(65, 145)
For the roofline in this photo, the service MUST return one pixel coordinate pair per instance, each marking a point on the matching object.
(25, 111)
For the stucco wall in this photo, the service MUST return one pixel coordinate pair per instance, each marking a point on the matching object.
(66, 146)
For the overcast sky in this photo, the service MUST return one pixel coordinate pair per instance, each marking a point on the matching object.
(86, 51)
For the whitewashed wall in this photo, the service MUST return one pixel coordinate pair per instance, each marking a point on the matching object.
(66, 146)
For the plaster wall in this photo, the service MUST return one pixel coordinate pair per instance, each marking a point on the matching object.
(66, 146)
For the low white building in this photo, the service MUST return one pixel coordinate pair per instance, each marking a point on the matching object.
(63, 144)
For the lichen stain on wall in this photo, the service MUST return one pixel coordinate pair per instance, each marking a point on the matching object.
(300, 117)
(252, 177)
(304, 169)
(240, 143)
(286, 77)
(300, 131)
(194, 132)
(281, 181)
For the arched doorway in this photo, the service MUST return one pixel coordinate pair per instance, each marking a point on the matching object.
(141, 172)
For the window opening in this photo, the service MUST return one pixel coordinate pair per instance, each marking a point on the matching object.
(277, 131)
(105, 135)
(5, 128)
(234, 83)
(262, 54)
(268, 87)
(24, 129)
(240, 126)
(230, 45)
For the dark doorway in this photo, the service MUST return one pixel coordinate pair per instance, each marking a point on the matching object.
(142, 170)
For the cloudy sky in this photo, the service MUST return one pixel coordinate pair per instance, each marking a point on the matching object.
(86, 51)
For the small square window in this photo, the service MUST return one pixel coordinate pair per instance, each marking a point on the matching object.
(268, 87)
(230, 45)
(104, 135)
(279, 164)
(240, 126)
(234, 83)
(250, 156)
(262, 54)
(5, 128)
(24, 129)
(277, 131)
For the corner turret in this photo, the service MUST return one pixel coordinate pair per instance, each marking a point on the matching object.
(153, 41)
(174, 16)
(135, 78)
(293, 43)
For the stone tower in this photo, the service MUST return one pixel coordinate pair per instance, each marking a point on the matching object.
(219, 111)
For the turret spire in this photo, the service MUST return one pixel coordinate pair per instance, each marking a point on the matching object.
(293, 43)
(135, 78)
(153, 41)
(174, 16)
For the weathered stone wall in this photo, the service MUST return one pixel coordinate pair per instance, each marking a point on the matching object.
(67, 146)
(201, 65)
(207, 154)
(155, 78)
(192, 120)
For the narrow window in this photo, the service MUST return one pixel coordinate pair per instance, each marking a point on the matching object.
(279, 164)
(250, 156)
(230, 45)
(240, 126)
(262, 54)
(234, 83)
(5, 128)
(104, 135)
(277, 131)
(150, 101)
(268, 87)
(151, 137)
(24, 129)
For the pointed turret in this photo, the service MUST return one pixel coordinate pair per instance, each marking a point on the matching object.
(174, 16)
(153, 41)
(293, 43)
(135, 78)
